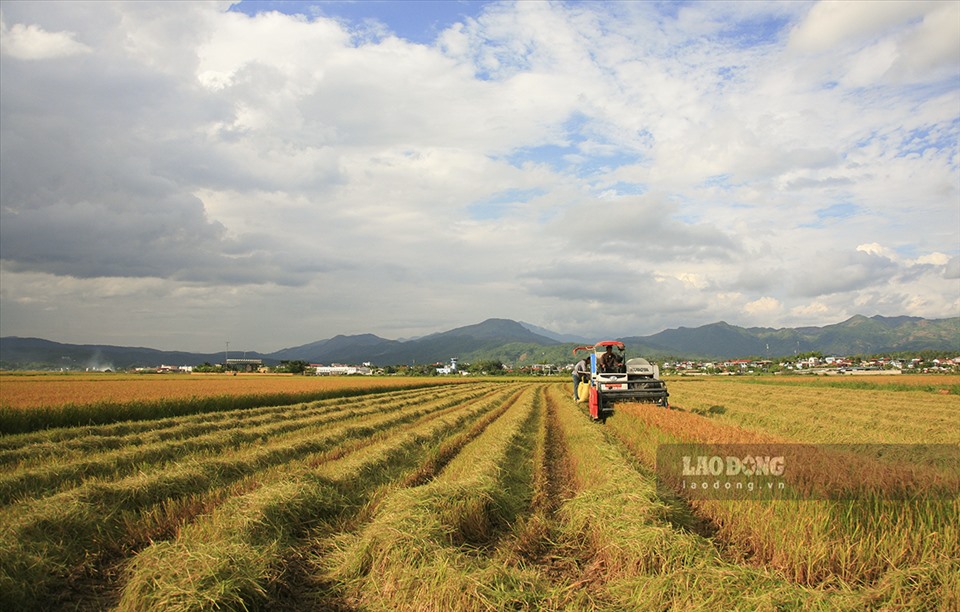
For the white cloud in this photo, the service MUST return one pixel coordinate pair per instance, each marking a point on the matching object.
(31, 42)
(831, 24)
(602, 168)
(812, 311)
(763, 308)
(936, 259)
(864, 44)
(691, 279)
(877, 249)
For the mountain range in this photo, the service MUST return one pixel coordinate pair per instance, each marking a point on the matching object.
(523, 344)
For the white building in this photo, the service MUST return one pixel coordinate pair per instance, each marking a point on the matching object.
(342, 370)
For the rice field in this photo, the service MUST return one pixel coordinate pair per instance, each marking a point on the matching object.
(38, 401)
(466, 495)
(46, 389)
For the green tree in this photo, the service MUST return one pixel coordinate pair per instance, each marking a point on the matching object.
(486, 366)
(296, 366)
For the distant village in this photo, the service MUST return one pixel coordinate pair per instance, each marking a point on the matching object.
(813, 364)
(817, 365)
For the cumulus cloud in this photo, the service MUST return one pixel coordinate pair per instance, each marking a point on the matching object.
(952, 268)
(31, 42)
(829, 24)
(763, 308)
(813, 310)
(888, 42)
(877, 249)
(837, 272)
(611, 168)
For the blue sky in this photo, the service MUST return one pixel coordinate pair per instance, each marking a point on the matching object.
(419, 21)
(177, 175)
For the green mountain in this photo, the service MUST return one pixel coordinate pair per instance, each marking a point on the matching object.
(339, 349)
(857, 335)
(36, 353)
(514, 343)
(482, 341)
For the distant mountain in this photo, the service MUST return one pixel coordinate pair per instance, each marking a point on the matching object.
(516, 343)
(36, 353)
(473, 342)
(470, 342)
(704, 340)
(857, 335)
(339, 349)
(878, 334)
(555, 336)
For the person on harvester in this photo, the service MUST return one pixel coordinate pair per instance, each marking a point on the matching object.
(609, 361)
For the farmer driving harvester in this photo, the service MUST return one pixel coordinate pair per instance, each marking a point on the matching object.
(610, 361)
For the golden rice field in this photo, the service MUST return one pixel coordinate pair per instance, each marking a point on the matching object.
(36, 390)
(480, 495)
(32, 401)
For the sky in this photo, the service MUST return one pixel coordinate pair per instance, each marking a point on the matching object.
(179, 175)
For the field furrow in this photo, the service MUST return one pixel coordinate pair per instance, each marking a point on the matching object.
(868, 543)
(424, 546)
(639, 550)
(300, 421)
(826, 414)
(82, 523)
(232, 557)
(21, 449)
(26, 405)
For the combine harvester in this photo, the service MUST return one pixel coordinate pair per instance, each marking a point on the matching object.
(613, 378)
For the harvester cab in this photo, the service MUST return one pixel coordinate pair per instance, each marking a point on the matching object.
(614, 378)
